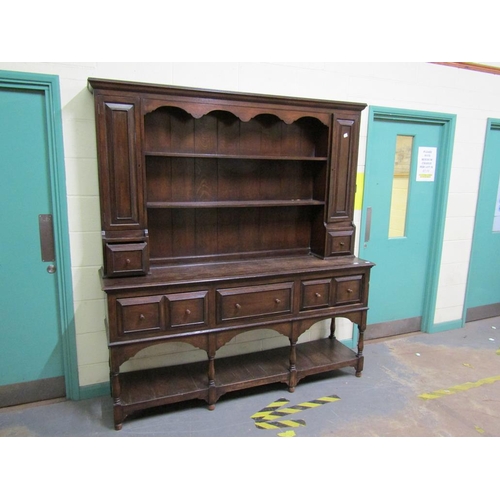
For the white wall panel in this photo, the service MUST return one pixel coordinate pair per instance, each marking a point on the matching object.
(472, 96)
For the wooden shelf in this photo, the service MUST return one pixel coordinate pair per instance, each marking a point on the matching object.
(235, 204)
(160, 386)
(234, 157)
(247, 370)
(323, 355)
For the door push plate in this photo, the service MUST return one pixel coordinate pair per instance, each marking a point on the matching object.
(47, 237)
(368, 225)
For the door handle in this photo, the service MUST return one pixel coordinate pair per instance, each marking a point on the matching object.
(368, 225)
(47, 245)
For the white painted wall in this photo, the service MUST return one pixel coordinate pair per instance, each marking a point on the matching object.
(472, 96)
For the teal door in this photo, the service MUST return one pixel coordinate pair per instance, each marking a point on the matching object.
(401, 211)
(483, 288)
(31, 358)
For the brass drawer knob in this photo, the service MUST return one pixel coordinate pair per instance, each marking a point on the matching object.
(278, 301)
(349, 290)
(188, 312)
(318, 295)
(237, 306)
(141, 317)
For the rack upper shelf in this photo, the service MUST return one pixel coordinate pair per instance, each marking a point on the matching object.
(169, 154)
(234, 204)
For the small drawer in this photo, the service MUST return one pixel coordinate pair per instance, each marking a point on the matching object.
(315, 294)
(187, 309)
(140, 315)
(254, 301)
(340, 243)
(348, 289)
(127, 259)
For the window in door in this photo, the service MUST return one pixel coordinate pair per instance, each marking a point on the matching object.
(496, 218)
(400, 186)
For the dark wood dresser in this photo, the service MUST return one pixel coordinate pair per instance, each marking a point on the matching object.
(224, 213)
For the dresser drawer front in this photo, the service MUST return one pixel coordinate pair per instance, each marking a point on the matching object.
(315, 294)
(340, 243)
(128, 259)
(140, 315)
(348, 289)
(161, 313)
(254, 301)
(187, 309)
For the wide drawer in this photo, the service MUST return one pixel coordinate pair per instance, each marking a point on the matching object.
(254, 301)
(142, 315)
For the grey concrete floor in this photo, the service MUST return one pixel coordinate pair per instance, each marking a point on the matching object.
(462, 365)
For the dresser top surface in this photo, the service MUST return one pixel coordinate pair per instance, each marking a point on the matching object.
(235, 270)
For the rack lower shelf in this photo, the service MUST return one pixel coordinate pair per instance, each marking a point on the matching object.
(161, 386)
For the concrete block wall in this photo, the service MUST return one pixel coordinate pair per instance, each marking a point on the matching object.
(472, 96)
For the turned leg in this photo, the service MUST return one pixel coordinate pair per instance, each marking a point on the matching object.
(117, 404)
(212, 392)
(359, 355)
(332, 329)
(116, 390)
(292, 383)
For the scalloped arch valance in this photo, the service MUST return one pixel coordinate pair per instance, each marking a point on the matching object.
(244, 113)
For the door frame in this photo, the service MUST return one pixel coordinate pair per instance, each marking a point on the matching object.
(443, 172)
(49, 85)
(493, 124)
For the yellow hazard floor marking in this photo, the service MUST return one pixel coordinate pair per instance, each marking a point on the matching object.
(280, 425)
(270, 408)
(287, 434)
(459, 388)
(268, 416)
